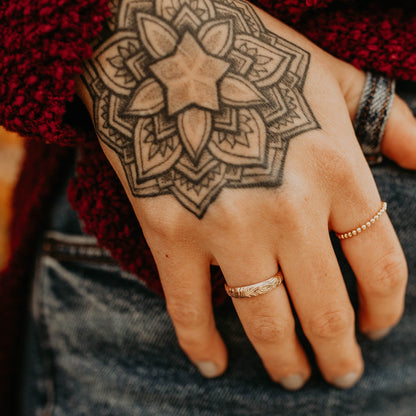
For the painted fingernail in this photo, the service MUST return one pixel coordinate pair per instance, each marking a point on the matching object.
(293, 382)
(346, 381)
(208, 369)
(378, 334)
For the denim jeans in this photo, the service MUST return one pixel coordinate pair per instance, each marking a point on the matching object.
(100, 343)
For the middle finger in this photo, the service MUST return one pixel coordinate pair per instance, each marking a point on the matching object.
(267, 319)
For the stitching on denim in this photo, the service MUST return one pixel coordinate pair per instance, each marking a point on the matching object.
(76, 250)
(72, 238)
(43, 335)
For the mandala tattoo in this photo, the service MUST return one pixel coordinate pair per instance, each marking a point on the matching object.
(195, 96)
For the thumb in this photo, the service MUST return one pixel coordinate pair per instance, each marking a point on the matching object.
(399, 141)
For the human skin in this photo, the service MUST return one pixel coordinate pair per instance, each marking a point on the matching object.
(272, 214)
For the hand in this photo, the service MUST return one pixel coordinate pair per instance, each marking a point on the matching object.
(235, 147)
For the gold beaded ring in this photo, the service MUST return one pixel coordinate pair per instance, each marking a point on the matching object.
(366, 226)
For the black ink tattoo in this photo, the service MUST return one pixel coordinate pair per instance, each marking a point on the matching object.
(195, 96)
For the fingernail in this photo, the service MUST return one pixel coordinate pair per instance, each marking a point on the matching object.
(346, 381)
(208, 369)
(378, 334)
(293, 382)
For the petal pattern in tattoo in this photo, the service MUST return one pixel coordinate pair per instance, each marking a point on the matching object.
(195, 96)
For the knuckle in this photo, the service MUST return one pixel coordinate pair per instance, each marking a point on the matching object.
(342, 173)
(169, 228)
(389, 275)
(333, 159)
(292, 213)
(331, 323)
(227, 215)
(193, 327)
(268, 329)
(338, 168)
(185, 315)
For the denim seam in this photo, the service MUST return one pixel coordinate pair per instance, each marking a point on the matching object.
(44, 340)
(69, 248)
(72, 238)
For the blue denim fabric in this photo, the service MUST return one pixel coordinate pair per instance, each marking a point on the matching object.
(100, 343)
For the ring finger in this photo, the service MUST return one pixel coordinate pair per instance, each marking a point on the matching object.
(319, 295)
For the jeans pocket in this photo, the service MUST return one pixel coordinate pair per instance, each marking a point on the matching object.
(89, 320)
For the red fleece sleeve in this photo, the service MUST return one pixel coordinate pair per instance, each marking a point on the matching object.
(43, 45)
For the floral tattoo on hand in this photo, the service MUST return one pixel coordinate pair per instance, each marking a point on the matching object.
(195, 96)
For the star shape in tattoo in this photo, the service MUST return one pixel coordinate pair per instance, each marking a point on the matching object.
(190, 76)
(196, 96)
